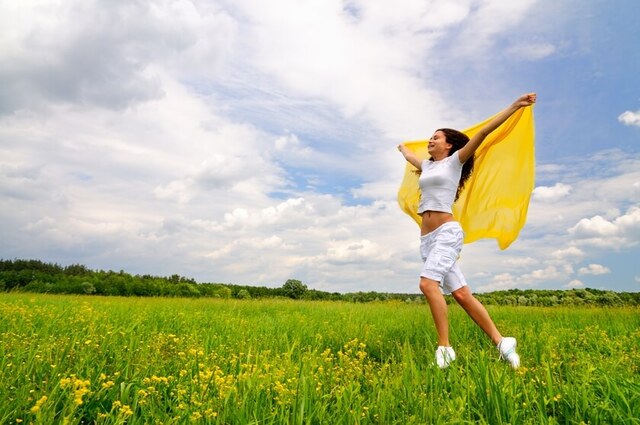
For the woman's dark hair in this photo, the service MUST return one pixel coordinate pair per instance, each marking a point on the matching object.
(457, 140)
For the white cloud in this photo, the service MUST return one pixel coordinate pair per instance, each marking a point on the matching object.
(355, 251)
(548, 194)
(316, 50)
(100, 54)
(630, 118)
(600, 192)
(376, 190)
(289, 148)
(532, 51)
(490, 19)
(524, 275)
(620, 232)
(574, 284)
(500, 282)
(521, 261)
(571, 251)
(227, 174)
(549, 272)
(594, 269)
(531, 279)
(595, 226)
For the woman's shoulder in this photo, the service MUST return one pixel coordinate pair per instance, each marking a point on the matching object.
(455, 158)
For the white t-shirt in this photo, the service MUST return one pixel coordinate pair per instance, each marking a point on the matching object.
(439, 182)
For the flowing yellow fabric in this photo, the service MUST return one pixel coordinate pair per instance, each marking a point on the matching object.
(495, 199)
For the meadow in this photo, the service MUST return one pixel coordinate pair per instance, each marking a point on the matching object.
(112, 360)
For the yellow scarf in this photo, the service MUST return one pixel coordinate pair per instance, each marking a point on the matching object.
(495, 199)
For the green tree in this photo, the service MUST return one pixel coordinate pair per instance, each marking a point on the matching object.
(88, 288)
(185, 289)
(224, 292)
(243, 294)
(293, 288)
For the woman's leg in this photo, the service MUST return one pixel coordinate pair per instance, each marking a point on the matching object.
(477, 312)
(431, 290)
(475, 309)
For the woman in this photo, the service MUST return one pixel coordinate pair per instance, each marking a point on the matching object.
(442, 178)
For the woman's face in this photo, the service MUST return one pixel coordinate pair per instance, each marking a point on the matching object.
(438, 147)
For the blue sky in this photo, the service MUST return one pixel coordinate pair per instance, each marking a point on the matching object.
(252, 142)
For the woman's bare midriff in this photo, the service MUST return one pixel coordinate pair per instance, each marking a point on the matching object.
(431, 220)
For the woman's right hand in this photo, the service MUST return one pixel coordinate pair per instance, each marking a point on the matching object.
(410, 156)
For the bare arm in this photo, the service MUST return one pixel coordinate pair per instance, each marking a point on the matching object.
(410, 156)
(470, 148)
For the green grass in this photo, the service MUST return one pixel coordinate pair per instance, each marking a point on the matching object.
(73, 359)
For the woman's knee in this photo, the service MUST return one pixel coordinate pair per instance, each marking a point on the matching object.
(429, 287)
(462, 295)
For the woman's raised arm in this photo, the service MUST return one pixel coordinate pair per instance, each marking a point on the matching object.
(469, 149)
(410, 156)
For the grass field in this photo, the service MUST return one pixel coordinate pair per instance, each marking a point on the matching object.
(73, 359)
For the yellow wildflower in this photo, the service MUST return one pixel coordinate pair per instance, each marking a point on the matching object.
(107, 385)
(39, 403)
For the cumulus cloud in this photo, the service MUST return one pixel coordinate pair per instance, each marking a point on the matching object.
(607, 190)
(630, 118)
(355, 251)
(571, 251)
(224, 174)
(549, 272)
(594, 269)
(500, 282)
(289, 149)
(574, 284)
(521, 261)
(532, 279)
(595, 226)
(526, 276)
(74, 54)
(546, 193)
(623, 230)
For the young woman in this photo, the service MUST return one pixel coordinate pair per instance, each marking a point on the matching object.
(442, 178)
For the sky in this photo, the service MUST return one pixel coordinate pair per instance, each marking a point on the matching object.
(251, 142)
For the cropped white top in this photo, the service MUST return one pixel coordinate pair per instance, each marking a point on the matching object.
(438, 183)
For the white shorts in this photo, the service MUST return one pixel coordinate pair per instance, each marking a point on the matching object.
(440, 250)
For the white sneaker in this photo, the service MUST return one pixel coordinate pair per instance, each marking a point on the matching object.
(507, 348)
(444, 356)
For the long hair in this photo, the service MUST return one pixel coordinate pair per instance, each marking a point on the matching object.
(458, 139)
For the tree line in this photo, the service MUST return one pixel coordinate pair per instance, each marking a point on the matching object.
(41, 277)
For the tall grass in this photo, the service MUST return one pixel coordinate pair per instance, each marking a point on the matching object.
(69, 359)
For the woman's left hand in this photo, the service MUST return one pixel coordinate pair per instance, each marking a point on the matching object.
(526, 100)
